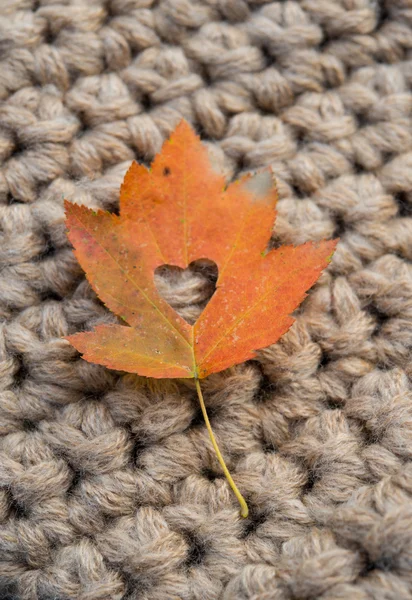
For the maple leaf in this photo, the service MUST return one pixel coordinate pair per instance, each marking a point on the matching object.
(174, 213)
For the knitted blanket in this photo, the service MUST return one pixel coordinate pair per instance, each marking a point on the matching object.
(109, 486)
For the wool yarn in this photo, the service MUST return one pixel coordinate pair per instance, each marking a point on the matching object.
(109, 487)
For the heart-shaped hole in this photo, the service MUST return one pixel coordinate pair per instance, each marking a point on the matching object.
(187, 290)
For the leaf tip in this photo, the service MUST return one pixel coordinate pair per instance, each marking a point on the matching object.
(333, 245)
(183, 133)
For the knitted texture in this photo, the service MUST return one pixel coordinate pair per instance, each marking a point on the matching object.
(109, 487)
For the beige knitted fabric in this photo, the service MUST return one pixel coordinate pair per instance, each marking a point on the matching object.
(109, 488)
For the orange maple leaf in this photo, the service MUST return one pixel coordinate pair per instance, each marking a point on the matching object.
(175, 213)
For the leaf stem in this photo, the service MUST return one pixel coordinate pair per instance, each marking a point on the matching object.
(244, 511)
